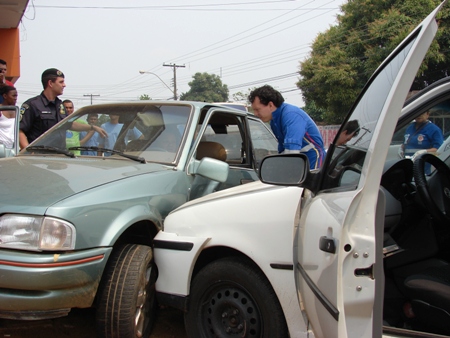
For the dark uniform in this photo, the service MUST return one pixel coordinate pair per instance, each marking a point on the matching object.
(37, 115)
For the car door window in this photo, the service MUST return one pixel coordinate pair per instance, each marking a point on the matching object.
(349, 155)
(228, 130)
(263, 142)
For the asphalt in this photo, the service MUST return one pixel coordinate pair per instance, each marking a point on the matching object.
(81, 323)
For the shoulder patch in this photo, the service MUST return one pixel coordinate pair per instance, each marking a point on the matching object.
(23, 109)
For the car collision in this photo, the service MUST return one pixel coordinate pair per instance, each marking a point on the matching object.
(77, 222)
(358, 248)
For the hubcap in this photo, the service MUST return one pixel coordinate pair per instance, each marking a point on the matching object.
(230, 311)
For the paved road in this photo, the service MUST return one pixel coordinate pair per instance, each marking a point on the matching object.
(80, 323)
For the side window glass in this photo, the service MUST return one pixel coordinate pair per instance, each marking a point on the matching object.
(264, 143)
(224, 131)
(351, 145)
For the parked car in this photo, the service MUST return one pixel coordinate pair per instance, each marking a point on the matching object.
(358, 248)
(76, 231)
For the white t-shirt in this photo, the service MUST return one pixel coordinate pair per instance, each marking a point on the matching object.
(7, 131)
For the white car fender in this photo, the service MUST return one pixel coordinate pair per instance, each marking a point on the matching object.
(220, 221)
(175, 277)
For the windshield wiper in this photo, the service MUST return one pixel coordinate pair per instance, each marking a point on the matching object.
(116, 152)
(52, 149)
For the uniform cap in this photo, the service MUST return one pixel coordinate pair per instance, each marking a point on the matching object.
(52, 71)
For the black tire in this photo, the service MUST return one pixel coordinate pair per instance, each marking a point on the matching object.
(232, 298)
(126, 307)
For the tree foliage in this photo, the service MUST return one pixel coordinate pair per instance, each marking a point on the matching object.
(206, 88)
(243, 96)
(144, 97)
(345, 56)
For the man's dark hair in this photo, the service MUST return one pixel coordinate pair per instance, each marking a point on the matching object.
(4, 89)
(50, 74)
(352, 127)
(67, 101)
(267, 94)
(2, 62)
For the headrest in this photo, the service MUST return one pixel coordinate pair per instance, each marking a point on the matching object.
(211, 149)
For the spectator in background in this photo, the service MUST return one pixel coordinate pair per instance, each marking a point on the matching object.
(3, 81)
(89, 138)
(72, 137)
(113, 128)
(421, 136)
(9, 96)
(295, 131)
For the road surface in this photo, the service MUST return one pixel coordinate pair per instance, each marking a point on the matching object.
(80, 323)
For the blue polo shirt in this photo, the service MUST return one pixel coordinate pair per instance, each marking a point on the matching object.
(426, 136)
(295, 130)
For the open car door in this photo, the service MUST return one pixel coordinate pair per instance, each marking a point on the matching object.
(337, 253)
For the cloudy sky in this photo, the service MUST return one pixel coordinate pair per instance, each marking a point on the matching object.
(101, 45)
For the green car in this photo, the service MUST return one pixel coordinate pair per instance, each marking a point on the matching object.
(78, 218)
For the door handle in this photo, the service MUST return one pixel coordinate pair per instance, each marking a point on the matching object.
(327, 244)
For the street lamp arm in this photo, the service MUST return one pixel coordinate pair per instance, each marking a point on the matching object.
(165, 84)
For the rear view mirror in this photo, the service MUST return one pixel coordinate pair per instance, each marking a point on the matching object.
(286, 169)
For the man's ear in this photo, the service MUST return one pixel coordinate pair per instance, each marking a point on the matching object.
(272, 106)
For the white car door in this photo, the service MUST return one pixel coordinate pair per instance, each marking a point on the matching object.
(337, 279)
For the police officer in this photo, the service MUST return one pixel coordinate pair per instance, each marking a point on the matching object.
(42, 112)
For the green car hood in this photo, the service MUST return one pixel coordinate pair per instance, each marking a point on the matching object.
(30, 182)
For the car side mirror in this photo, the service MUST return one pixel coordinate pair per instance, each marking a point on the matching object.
(212, 169)
(284, 169)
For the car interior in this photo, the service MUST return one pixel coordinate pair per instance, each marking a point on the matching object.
(416, 250)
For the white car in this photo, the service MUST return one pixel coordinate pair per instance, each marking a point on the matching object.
(357, 249)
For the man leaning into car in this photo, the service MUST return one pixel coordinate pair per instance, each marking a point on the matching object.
(295, 131)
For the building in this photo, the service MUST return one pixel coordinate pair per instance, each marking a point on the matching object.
(11, 13)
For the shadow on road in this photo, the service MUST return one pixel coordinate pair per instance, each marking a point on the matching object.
(81, 323)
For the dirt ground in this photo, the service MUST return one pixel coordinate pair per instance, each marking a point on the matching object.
(80, 323)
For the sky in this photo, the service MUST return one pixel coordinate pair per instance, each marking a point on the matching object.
(101, 45)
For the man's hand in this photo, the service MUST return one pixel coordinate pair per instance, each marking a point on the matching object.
(418, 153)
(102, 132)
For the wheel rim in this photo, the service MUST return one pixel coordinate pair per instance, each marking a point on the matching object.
(228, 310)
(144, 300)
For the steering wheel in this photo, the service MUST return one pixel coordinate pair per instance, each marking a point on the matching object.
(434, 192)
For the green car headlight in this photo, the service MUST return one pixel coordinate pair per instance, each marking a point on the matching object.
(36, 233)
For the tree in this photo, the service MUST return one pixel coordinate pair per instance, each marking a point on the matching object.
(243, 96)
(145, 97)
(206, 88)
(345, 56)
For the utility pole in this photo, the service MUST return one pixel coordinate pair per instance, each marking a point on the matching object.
(174, 66)
(91, 95)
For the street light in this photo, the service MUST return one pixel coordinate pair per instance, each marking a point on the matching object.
(165, 84)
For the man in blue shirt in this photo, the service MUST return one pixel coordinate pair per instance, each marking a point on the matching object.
(113, 128)
(295, 131)
(422, 136)
(89, 138)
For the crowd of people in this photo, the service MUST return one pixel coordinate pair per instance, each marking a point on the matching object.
(295, 131)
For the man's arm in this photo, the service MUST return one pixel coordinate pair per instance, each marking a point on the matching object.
(87, 127)
(23, 141)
